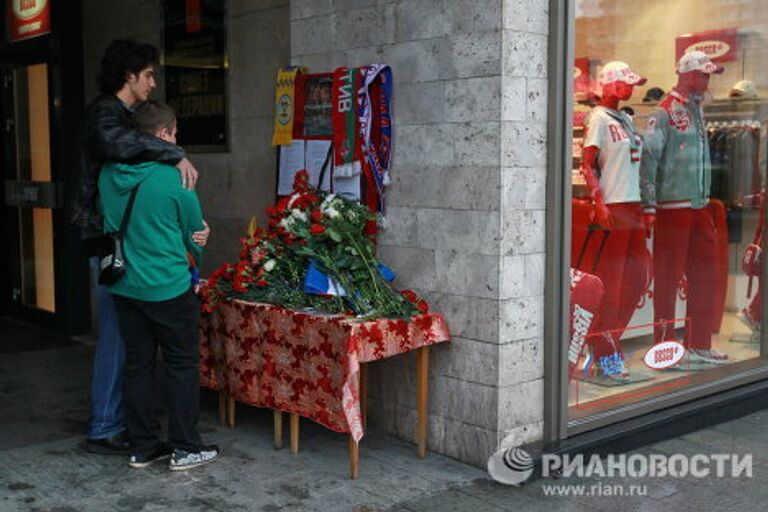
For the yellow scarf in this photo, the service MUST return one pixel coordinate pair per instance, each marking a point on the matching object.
(284, 102)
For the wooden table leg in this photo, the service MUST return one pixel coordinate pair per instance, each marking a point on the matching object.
(354, 458)
(364, 394)
(222, 408)
(294, 433)
(278, 429)
(422, 392)
(231, 411)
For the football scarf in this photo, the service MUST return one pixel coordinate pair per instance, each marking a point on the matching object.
(375, 104)
(346, 140)
(284, 100)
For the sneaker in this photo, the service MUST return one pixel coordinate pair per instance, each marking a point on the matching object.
(707, 355)
(747, 319)
(613, 368)
(115, 445)
(182, 460)
(141, 461)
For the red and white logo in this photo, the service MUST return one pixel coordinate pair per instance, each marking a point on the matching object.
(26, 9)
(28, 18)
(680, 118)
(712, 47)
(664, 355)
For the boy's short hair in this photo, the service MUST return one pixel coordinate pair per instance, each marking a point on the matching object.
(152, 116)
(124, 56)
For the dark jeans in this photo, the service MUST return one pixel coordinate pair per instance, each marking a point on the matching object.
(172, 324)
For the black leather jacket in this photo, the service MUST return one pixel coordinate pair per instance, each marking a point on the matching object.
(108, 135)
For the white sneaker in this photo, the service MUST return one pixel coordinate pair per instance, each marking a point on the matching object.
(707, 355)
(181, 460)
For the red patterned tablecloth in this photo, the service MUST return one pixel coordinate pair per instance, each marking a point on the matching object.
(296, 362)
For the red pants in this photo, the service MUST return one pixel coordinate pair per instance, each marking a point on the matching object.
(623, 269)
(686, 244)
(754, 311)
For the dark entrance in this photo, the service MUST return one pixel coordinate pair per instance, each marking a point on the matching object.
(43, 277)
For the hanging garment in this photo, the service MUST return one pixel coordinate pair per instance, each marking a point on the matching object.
(375, 116)
(284, 105)
(347, 149)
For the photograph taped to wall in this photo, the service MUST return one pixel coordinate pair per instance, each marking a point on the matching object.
(313, 114)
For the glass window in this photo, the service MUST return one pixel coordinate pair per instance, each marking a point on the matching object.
(668, 206)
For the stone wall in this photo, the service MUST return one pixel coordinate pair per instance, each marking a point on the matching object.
(523, 176)
(466, 205)
(233, 186)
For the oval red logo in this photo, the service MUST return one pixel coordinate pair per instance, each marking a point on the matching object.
(712, 47)
(664, 355)
(26, 9)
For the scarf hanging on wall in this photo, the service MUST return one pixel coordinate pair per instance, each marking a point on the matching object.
(284, 105)
(347, 150)
(375, 110)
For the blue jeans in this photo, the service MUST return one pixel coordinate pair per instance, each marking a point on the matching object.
(107, 418)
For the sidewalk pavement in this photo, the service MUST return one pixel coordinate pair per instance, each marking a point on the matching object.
(44, 408)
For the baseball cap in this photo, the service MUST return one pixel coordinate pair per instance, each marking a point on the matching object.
(743, 89)
(653, 94)
(697, 61)
(618, 71)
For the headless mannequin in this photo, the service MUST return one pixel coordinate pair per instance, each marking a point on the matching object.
(613, 93)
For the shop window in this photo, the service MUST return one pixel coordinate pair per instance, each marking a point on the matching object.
(668, 207)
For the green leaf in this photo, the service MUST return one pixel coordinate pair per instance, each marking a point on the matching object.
(335, 236)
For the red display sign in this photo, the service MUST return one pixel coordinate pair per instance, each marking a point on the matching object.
(193, 16)
(721, 45)
(581, 75)
(28, 18)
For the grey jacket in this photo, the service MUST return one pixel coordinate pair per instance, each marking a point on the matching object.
(676, 164)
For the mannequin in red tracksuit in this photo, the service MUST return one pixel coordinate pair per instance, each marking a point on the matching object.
(611, 165)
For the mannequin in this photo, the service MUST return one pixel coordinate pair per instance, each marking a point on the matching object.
(676, 179)
(610, 165)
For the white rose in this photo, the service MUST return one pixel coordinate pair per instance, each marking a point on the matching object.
(298, 214)
(328, 200)
(269, 265)
(331, 213)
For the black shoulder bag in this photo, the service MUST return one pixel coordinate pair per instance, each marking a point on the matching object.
(112, 264)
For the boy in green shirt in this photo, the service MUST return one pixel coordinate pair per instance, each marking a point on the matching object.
(156, 304)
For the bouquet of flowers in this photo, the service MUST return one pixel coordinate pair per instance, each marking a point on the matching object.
(310, 227)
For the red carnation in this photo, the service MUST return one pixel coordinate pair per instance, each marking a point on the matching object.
(301, 180)
(422, 306)
(317, 229)
(261, 283)
(410, 295)
(317, 215)
(370, 228)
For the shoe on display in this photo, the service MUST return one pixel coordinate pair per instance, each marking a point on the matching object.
(747, 320)
(141, 461)
(707, 355)
(181, 460)
(115, 445)
(613, 368)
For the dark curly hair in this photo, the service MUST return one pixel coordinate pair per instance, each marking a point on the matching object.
(124, 56)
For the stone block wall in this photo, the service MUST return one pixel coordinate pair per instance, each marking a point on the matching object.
(466, 205)
(236, 185)
(523, 219)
